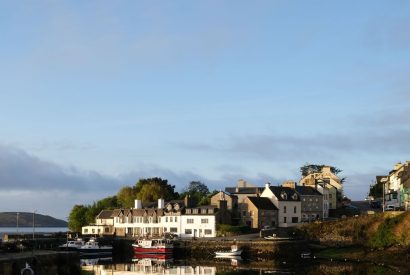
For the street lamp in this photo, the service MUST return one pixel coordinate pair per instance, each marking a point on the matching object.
(17, 225)
(34, 225)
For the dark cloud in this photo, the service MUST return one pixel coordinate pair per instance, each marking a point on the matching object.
(22, 171)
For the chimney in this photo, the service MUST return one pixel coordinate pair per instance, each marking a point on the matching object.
(187, 201)
(137, 204)
(267, 185)
(161, 203)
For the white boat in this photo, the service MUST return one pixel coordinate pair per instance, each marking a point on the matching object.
(271, 237)
(72, 245)
(92, 247)
(235, 251)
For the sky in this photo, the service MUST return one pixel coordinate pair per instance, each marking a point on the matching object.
(97, 94)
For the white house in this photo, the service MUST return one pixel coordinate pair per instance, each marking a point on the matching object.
(199, 222)
(288, 203)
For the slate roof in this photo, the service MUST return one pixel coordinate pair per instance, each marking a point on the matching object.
(244, 190)
(262, 203)
(279, 190)
(105, 214)
(307, 191)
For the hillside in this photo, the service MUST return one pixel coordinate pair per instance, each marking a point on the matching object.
(380, 230)
(9, 219)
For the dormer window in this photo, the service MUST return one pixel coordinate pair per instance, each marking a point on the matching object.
(169, 207)
(284, 195)
(176, 206)
(294, 196)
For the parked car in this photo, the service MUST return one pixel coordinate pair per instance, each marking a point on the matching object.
(390, 208)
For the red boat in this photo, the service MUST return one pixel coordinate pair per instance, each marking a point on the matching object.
(153, 246)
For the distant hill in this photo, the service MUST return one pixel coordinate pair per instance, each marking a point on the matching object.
(9, 219)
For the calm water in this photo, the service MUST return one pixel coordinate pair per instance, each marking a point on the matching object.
(104, 266)
(226, 266)
(13, 230)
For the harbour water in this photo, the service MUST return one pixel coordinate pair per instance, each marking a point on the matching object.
(71, 264)
(226, 266)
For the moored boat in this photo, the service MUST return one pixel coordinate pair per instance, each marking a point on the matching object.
(72, 245)
(92, 247)
(235, 251)
(153, 246)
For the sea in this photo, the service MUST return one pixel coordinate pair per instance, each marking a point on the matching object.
(26, 230)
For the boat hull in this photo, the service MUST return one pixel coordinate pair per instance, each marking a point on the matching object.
(95, 251)
(152, 250)
(228, 253)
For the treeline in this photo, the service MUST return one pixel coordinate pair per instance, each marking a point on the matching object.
(147, 190)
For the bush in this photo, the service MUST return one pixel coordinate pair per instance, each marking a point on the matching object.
(232, 230)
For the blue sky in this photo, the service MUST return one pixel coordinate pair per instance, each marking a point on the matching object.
(96, 94)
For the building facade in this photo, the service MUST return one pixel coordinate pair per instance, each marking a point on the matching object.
(287, 200)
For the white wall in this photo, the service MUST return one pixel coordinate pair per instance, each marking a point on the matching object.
(198, 227)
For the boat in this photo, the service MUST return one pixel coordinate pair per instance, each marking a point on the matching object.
(305, 255)
(92, 247)
(27, 270)
(271, 237)
(235, 251)
(72, 245)
(153, 246)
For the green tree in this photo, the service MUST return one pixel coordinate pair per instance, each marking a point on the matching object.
(308, 169)
(126, 196)
(151, 189)
(198, 192)
(77, 218)
(376, 190)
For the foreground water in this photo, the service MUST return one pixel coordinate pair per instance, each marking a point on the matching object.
(138, 265)
(227, 266)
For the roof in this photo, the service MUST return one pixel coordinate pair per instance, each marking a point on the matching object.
(307, 191)
(105, 214)
(244, 190)
(280, 192)
(262, 203)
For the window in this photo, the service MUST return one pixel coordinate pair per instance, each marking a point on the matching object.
(294, 209)
(284, 219)
(190, 221)
(330, 196)
(86, 231)
(176, 219)
(188, 231)
(204, 220)
(284, 209)
(173, 229)
(244, 213)
(107, 230)
(166, 219)
(170, 219)
(295, 219)
(208, 232)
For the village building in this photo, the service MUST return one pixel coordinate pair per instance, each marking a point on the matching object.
(104, 224)
(397, 187)
(261, 213)
(327, 183)
(287, 200)
(242, 191)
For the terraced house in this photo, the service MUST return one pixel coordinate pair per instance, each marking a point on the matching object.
(174, 217)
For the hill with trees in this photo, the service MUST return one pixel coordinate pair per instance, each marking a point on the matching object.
(25, 219)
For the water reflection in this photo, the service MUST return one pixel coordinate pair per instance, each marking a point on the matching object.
(141, 264)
